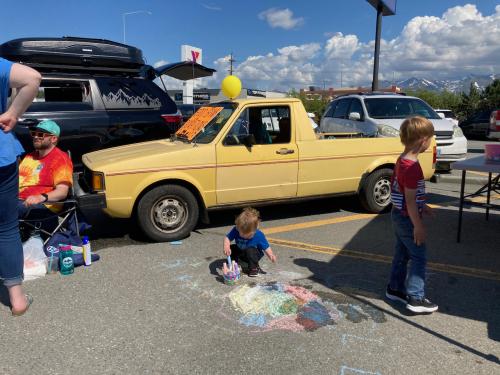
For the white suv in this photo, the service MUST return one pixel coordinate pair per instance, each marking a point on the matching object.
(384, 113)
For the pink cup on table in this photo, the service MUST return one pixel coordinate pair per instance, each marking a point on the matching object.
(492, 152)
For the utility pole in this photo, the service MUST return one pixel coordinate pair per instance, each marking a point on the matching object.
(231, 61)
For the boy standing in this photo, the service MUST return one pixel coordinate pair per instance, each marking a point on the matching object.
(250, 243)
(408, 199)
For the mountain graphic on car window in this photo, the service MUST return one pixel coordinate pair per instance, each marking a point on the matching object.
(120, 99)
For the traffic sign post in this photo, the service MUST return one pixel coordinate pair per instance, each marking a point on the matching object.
(384, 8)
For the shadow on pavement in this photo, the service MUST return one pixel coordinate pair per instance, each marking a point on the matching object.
(123, 232)
(362, 268)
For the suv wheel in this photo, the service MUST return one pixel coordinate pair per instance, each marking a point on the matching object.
(375, 194)
(167, 213)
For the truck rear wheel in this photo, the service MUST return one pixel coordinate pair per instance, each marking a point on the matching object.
(375, 194)
(167, 213)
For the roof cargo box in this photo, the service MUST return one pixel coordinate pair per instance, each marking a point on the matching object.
(73, 53)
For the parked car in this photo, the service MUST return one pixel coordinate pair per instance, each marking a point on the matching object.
(100, 92)
(381, 114)
(476, 125)
(232, 159)
(447, 114)
(187, 110)
(494, 131)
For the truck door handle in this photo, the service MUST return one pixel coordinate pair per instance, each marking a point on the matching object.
(284, 151)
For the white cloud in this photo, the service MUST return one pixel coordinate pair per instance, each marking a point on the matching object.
(340, 46)
(281, 18)
(460, 42)
(211, 7)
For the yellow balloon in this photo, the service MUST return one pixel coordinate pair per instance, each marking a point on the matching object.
(231, 86)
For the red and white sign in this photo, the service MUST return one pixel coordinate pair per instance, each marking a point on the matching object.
(190, 53)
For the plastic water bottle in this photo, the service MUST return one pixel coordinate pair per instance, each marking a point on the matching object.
(87, 255)
(66, 265)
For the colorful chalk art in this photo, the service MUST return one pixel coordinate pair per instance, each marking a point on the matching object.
(280, 306)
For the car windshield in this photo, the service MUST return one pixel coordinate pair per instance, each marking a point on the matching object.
(398, 108)
(210, 130)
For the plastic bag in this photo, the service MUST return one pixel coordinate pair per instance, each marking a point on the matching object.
(35, 261)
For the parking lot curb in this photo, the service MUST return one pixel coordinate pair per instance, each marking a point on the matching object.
(450, 178)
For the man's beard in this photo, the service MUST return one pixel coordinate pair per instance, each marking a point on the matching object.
(41, 146)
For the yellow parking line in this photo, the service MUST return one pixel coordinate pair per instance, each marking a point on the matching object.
(446, 268)
(316, 223)
(479, 173)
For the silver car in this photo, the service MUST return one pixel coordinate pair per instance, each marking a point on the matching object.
(381, 114)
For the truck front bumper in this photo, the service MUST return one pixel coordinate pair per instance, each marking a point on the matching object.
(87, 200)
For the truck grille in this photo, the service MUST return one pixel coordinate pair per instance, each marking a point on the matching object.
(440, 135)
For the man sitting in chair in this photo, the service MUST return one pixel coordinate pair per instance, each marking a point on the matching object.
(45, 174)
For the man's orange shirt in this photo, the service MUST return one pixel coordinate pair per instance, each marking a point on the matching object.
(41, 175)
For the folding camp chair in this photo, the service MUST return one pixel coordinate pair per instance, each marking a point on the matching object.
(68, 213)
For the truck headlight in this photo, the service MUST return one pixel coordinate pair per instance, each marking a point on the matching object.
(457, 131)
(97, 181)
(387, 131)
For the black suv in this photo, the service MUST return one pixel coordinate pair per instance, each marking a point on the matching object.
(100, 92)
(96, 112)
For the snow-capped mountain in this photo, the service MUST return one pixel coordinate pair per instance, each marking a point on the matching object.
(456, 86)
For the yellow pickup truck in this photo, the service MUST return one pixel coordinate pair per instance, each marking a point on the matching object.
(237, 153)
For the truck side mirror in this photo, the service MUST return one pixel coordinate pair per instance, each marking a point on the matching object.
(355, 116)
(248, 140)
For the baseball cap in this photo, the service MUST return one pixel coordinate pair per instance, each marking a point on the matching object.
(49, 126)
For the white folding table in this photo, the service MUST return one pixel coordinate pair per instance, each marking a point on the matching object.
(478, 164)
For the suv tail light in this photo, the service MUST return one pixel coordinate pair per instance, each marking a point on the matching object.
(495, 121)
(174, 119)
(434, 155)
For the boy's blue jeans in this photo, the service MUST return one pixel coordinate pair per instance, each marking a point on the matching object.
(407, 251)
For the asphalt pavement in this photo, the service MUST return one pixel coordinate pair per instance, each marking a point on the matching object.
(148, 308)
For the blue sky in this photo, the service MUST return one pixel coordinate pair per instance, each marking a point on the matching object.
(283, 44)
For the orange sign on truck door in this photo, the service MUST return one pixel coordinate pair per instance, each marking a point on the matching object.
(198, 121)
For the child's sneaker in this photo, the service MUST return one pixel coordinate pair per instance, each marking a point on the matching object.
(396, 295)
(421, 305)
(261, 271)
(253, 272)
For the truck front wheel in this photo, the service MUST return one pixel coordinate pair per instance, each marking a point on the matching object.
(167, 213)
(375, 194)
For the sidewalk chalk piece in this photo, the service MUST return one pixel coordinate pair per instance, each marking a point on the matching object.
(175, 242)
(344, 370)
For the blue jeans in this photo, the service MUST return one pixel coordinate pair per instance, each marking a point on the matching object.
(407, 251)
(11, 248)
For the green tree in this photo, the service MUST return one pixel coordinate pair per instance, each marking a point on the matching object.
(443, 100)
(491, 96)
(470, 103)
(315, 105)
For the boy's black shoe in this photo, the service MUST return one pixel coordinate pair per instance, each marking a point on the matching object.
(253, 272)
(261, 271)
(396, 295)
(421, 305)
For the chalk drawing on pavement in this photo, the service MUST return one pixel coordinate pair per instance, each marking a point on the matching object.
(344, 370)
(281, 306)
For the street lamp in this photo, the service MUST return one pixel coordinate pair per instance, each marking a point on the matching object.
(128, 13)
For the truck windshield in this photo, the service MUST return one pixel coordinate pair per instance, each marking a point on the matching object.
(388, 108)
(210, 130)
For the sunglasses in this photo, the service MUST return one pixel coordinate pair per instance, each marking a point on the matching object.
(40, 134)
